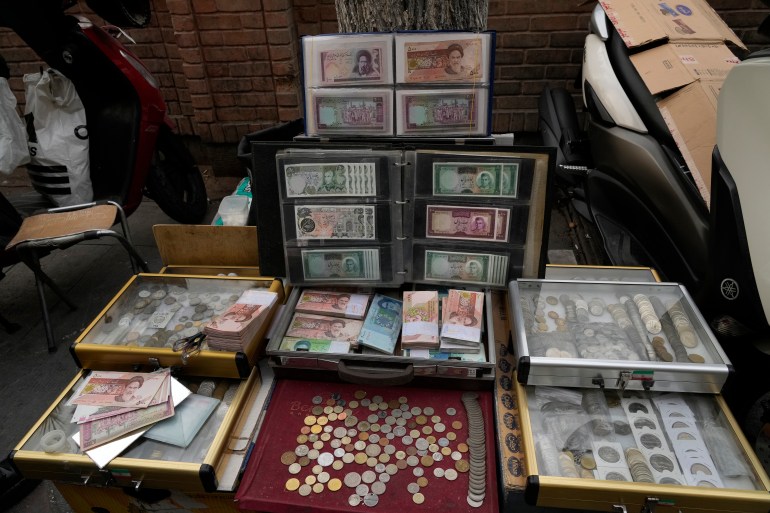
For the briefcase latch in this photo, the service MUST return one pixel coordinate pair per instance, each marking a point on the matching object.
(619, 508)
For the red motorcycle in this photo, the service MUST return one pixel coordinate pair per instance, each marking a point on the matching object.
(133, 148)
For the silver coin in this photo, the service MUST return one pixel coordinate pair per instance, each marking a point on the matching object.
(340, 431)
(397, 413)
(418, 471)
(295, 468)
(450, 474)
(389, 449)
(399, 431)
(325, 459)
(373, 418)
(371, 500)
(474, 504)
(348, 457)
(416, 410)
(379, 468)
(386, 428)
(407, 440)
(437, 456)
(377, 399)
(360, 445)
(378, 487)
(385, 477)
(443, 442)
(413, 488)
(428, 411)
(401, 421)
(368, 477)
(373, 450)
(313, 453)
(305, 490)
(438, 472)
(412, 461)
(390, 436)
(390, 469)
(324, 477)
(375, 438)
(301, 450)
(439, 427)
(352, 479)
(451, 412)
(339, 452)
(362, 489)
(456, 455)
(335, 443)
(406, 415)
(354, 500)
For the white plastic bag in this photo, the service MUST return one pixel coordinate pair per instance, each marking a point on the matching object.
(58, 145)
(13, 136)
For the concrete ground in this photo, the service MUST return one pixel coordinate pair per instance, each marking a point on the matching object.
(92, 273)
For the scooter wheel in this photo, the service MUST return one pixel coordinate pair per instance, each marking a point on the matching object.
(175, 183)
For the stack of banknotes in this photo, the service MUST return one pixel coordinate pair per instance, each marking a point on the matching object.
(421, 312)
(113, 404)
(382, 325)
(462, 317)
(235, 329)
(326, 321)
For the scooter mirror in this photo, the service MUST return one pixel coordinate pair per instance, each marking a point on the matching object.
(123, 13)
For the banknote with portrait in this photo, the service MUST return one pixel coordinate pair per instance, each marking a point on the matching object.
(335, 303)
(462, 317)
(480, 179)
(98, 432)
(433, 58)
(466, 267)
(124, 389)
(347, 60)
(349, 112)
(346, 179)
(420, 323)
(460, 112)
(340, 264)
(341, 222)
(467, 223)
(323, 327)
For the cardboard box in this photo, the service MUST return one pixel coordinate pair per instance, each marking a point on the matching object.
(691, 116)
(686, 55)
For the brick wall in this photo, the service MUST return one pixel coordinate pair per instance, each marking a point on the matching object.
(230, 67)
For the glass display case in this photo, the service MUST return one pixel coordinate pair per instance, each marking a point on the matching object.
(49, 451)
(153, 311)
(631, 335)
(636, 448)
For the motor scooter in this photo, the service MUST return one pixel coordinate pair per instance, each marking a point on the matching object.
(624, 172)
(133, 148)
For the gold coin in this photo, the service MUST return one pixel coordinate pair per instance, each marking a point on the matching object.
(456, 425)
(446, 451)
(318, 488)
(329, 409)
(301, 439)
(383, 441)
(658, 341)
(363, 435)
(418, 498)
(310, 480)
(696, 358)
(292, 484)
(587, 462)
(542, 326)
(462, 465)
(338, 464)
(316, 429)
(421, 419)
(666, 357)
(553, 315)
(426, 430)
(383, 458)
(334, 484)
(332, 417)
(462, 447)
(393, 404)
(427, 461)
(431, 439)
(422, 481)
(361, 458)
(310, 420)
(359, 394)
(451, 436)
(288, 458)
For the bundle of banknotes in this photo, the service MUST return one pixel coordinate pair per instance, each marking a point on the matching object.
(321, 333)
(113, 404)
(462, 317)
(382, 326)
(236, 328)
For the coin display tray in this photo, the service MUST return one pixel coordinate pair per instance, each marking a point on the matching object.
(156, 311)
(296, 447)
(562, 425)
(606, 328)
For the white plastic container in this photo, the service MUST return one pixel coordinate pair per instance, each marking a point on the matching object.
(234, 210)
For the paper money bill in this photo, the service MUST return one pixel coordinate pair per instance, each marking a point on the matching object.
(353, 113)
(477, 268)
(319, 222)
(467, 223)
(463, 317)
(426, 113)
(341, 264)
(125, 389)
(85, 413)
(352, 65)
(322, 327)
(337, 304)
(442, 61)
(313, 345)
(420, 319)
(98, 432)
(382, 325)
(464, 178)
(338, 179)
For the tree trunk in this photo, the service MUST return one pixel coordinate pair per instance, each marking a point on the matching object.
(390, 15)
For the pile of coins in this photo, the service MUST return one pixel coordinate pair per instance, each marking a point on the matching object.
(650, 319)
(637, 465)
(603, 341)
(477, 482)
(682, 324)
(393, 437)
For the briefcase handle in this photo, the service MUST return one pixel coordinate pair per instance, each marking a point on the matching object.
(377, 376)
